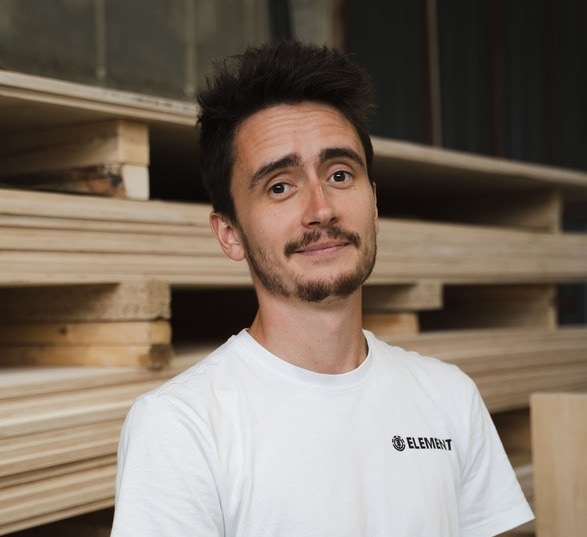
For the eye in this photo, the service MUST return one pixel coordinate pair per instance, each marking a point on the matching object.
(278, 189)
(340, 176)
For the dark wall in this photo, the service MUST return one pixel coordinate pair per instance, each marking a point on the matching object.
(513, 75)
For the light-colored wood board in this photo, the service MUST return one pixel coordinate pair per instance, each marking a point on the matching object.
(559, 436)
(391, 324)
(52, 204)
(50, 472)
(121, 302)
(136, 182)
(517, 393)
(151, 356)
(17, 384)
(33, 101)
(57, 224)
(66, 240)
(494, 306)
(412, 165)
(456, 343)
(90, 333)
(75, 146)
(54, 448)
(74, 401)
(423, 295)
(21, 502)
(410, 252)
(28, 419)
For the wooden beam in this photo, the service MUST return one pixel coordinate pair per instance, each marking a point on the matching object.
(79, 334)
(75, 146)
(508, 365)
(128, 301)
(151, 356)
(559, 437)
(423, 295)
(80, 158)
(494, 306)
(408, 251)
(391, 324)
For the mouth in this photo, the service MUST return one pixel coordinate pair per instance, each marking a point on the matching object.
(315, 243)
(322, 247)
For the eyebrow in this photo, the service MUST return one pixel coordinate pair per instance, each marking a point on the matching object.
(287, 161)
(337, 152)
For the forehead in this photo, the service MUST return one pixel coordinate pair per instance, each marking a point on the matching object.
(303, 129)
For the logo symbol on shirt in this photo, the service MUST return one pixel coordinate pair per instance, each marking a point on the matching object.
(421, 442)
(398, 443)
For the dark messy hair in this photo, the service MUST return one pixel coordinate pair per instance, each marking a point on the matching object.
(271, 74)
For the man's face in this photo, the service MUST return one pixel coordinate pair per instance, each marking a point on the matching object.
(306, 210)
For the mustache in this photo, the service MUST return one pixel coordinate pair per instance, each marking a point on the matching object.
(314, 236)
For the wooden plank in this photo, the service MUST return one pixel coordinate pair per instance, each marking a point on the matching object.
(391, 324)
(494, 306)
(112, 179)
(405, 165)
(47, 496)
(128, 301)
(471, 254)
(20, 419)
(532, 210)
(112, 333)
(423, 295)
(29, 101)
(408, 252)
(559, 436)
(69, 158)
(56, 205)
(75, 146)
(17, 384)
(508, 365)
(151, 356)
(64, 446)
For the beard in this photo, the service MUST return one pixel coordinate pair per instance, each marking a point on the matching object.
(308, 290)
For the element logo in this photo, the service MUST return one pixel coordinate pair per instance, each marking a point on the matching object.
(398, 443)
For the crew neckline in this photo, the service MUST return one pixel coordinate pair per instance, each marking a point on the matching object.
(299, 374)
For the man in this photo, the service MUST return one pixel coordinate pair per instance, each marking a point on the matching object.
(304, 424)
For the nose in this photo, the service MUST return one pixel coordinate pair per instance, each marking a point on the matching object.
(319, 210)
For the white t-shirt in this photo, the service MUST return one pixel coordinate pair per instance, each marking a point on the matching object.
(244, 444)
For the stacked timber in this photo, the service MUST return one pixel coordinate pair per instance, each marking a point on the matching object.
(117, 324)
(470, 256)
(50, 238)
(509, 364)
(108, 157)
(59, 430)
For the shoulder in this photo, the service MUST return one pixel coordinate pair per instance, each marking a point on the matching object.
(414, 363)
(439, 381)
(200, 386)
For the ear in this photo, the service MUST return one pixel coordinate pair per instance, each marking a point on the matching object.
(227, 236)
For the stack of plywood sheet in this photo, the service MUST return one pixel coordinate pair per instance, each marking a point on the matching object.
(470, 254)
(64, 239)
(117, 324)
(59, 430)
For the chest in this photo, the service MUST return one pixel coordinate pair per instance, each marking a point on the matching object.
(338, 464)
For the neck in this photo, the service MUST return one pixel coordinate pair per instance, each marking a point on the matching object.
(325, 337)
